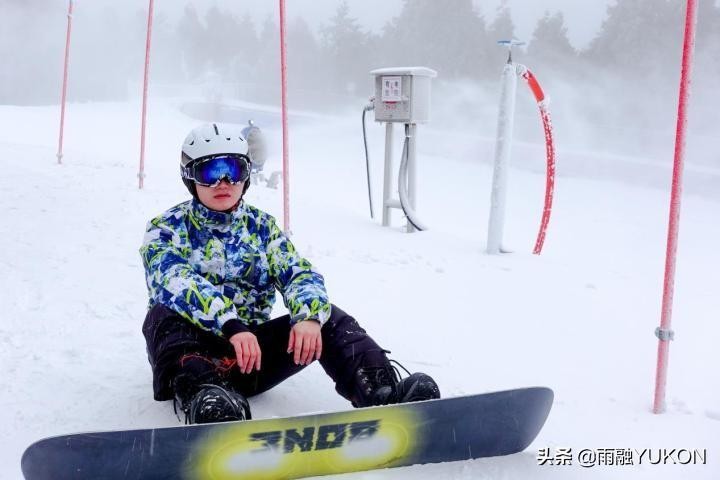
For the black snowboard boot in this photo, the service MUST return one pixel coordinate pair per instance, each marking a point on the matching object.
(381, 385)
(214, 403)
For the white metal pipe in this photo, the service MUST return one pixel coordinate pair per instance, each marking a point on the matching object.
(388, 178)
(506, 118)
(394, 203)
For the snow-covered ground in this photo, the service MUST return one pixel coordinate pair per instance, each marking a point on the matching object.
(579, 318)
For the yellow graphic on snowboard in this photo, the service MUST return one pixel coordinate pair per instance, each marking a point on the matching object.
(306, 446)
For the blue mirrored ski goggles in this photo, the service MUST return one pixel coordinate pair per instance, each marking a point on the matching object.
(210, 171)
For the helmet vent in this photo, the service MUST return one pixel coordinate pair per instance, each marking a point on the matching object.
(192, 143)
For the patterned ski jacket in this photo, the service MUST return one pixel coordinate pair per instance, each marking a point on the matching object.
(220, 270)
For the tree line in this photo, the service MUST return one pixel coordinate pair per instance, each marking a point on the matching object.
(637, 38)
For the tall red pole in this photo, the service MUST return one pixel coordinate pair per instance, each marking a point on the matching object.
(285, 147)
(148, 42)
(664, 332)
(65, 80)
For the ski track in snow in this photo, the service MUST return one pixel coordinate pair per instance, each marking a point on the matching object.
(579, 318)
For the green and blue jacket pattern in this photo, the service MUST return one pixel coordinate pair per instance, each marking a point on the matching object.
(220, 270)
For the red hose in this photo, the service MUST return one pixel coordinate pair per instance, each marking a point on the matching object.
(550, 153)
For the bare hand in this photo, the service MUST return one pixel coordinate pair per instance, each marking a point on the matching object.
(247, 351)
(305, 341)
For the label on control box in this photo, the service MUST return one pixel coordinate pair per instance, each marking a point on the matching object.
(391, 89)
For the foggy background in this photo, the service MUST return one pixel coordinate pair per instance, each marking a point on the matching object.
(611, 69)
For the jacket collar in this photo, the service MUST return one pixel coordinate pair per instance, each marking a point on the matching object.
(203, 216)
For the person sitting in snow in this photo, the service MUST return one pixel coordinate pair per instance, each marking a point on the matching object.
(212, 266)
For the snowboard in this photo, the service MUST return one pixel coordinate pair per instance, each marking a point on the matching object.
(444, 430)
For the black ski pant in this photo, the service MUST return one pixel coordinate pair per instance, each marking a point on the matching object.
(183, 356)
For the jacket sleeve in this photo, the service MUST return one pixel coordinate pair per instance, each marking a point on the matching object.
(302, 287)
(172, 281)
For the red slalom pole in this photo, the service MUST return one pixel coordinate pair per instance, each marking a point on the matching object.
(148, 42)
(664, 332)
(285, 146)
(65, 81)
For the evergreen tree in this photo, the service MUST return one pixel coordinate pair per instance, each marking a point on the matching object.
(639, 36)
(637, 54)
(166, 55)
(268, 63)
(345, 47)
(502, 28)
(549, 46)
(189, 31)
(248, 44)
(448, 38)
(223, 40)
(307, 69)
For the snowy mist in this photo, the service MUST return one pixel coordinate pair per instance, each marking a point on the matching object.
(612, 95)
(580, 318)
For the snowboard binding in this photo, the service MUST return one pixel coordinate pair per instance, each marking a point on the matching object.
(383, 385)
(212, 404)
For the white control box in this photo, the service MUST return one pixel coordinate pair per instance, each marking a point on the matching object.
(402, 94)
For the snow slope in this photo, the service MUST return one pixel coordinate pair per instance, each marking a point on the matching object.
(579, 318)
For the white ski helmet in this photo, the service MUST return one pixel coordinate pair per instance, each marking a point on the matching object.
(211, 139)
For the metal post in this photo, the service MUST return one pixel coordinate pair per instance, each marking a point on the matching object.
(388, 175)
(664, 332)
(503, 145)
(148, 42)
(285, 141)
(412, 173)
(65, 81)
